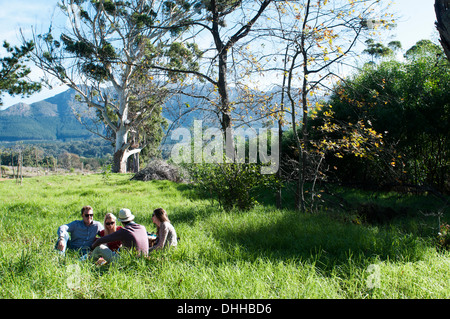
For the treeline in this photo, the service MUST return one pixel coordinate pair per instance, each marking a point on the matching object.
(87, 154)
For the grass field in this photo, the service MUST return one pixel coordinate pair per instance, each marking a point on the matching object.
(262, 253)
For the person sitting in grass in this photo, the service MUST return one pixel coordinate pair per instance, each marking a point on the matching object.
(110, 226)
(132, 236)
(166, 235)
(79, 234)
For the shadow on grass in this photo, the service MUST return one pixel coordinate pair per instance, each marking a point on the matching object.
(319, 239)
(189, 216)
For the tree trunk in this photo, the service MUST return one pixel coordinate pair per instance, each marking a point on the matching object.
(222, 85)
(120, 161)
(120, 158)
(279, 200)
(136, 163)
(119, 164)
(442, 9)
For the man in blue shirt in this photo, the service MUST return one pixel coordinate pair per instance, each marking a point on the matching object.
(82, 232)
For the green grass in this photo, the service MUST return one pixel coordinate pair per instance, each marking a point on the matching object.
(262, 253)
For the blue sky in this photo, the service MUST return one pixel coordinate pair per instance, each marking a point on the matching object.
(415, 22)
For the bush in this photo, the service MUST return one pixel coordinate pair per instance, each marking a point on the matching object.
(232, 185)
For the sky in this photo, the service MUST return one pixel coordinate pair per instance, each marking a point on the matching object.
(415, 22)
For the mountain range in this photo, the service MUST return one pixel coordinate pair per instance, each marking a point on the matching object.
(48, 120)
(53, 119)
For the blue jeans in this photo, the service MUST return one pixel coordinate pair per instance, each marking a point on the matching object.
(66, 241)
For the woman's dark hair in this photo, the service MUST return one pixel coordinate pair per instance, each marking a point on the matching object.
(161, 215)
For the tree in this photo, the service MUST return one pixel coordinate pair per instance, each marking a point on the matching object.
(212, 22)
(14, 72)
(379, 50)
(219, 10)
(106, 55)
(423, 48)
(408, 103)
(442, 9)
(317, 36)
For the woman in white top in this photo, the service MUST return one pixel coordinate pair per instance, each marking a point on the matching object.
(164, 230)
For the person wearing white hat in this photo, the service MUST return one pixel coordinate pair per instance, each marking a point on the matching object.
(125, 215)
(132, 236)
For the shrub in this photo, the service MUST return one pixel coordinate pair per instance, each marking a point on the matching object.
(233, 185)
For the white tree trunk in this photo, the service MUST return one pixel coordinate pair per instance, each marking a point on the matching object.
(120, 151)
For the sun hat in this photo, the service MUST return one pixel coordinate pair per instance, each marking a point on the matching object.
(125, 215)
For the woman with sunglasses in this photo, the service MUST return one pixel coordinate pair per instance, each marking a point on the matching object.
(110, 227)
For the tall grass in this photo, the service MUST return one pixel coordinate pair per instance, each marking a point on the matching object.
(262, 253)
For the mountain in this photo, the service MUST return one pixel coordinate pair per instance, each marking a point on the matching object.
(53, 119)
(49, 120)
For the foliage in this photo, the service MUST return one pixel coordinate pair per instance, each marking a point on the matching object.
(341, 137)
(444, 236)
(407, 103)
(14, 72)
(233, 185)
(379, 50)
(423, 48)
(106, 174)
(148, 127)
(91, 153)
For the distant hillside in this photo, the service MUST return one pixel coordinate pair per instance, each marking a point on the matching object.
(53, 120)
(49, 120)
